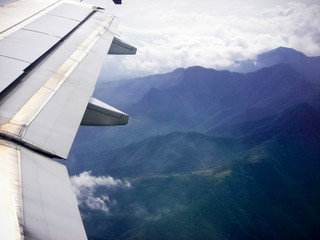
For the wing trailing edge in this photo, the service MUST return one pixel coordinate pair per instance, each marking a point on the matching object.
(119, 47)
(102, 114)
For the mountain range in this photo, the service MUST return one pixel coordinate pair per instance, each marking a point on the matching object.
(308, 66)
(210, 154)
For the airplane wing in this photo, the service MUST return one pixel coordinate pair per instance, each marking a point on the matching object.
(51, 54)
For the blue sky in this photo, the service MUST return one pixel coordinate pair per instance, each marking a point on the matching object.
(176, 33)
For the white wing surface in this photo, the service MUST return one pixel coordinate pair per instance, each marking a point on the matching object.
(51, 54)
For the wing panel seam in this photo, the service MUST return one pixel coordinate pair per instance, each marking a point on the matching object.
(42, 10)
(31, 30)
(20, 60)
(29, 111)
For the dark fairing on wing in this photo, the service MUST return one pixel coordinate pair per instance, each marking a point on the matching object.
(117, 1)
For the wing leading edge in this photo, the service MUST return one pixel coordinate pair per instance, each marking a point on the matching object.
(50, 62)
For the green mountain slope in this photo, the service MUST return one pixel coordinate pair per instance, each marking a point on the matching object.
(266, 190)
(174, 153)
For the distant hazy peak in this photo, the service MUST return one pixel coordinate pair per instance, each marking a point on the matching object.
(267, 59)
(283, 51)
(195, 69)
(279, 55)
(308, 66)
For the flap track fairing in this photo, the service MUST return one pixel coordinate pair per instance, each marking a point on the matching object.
(101, 114)
(119, 47)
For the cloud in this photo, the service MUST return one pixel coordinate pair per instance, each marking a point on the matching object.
(172, 35)
(85, 185)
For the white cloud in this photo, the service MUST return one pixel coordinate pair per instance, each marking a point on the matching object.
(172, 34)
(85, 185)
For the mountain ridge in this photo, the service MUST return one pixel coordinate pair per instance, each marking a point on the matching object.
(210, 154)
(252, 194)
(208, 99)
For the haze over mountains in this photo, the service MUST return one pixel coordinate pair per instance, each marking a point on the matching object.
(209, 154)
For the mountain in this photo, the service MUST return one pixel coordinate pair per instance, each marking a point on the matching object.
(129, 91)
(167, 154)
(301, 116)
(207, 154)
(199, 99)
(308, 66)
(268, 190)
(207, 97)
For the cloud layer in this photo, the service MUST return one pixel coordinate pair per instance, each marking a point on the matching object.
(85, 187)
(172, 35)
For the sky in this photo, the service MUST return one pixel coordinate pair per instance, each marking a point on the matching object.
(180, 33)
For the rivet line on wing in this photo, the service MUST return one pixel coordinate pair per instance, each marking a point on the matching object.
(38, 101)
